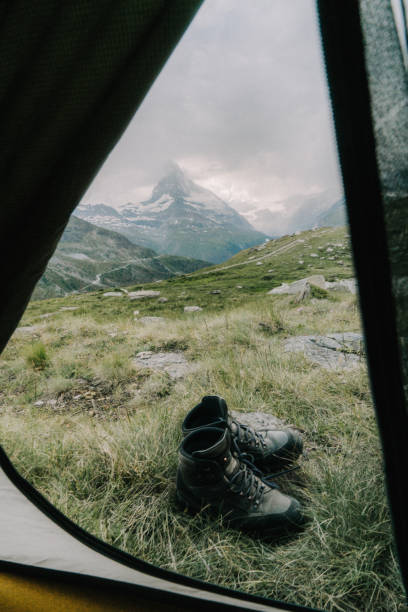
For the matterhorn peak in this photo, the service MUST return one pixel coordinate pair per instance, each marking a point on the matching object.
(174, 183)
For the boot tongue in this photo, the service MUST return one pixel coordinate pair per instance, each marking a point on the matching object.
(220, 448)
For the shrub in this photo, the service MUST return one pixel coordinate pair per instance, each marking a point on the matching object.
(37, 357)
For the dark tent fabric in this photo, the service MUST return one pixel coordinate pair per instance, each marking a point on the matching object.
(72, 75)
(368, 84)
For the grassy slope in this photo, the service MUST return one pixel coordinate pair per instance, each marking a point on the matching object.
(102, 446)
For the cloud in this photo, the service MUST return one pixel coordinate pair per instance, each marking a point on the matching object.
(242, 105)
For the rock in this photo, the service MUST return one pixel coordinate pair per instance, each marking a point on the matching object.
(63, 308)
(139, 295)
(215, 292)
(329, 250)
(333, 351)
(136, 312)
(258, 263)
(301, 261)
(113, 294)
(174, 363)
(192, 308)
(317, 279)
(27, 329)
(47, 314)
(39, 403)
(346, 284)
(162, 300)
(238, 286)
(303, 293)
(151, 319)
(258, 420)
(77, 397)
(52, 402)
(314, 255)
(272, 270)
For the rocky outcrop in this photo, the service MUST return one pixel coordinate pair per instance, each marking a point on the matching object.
(333, 351)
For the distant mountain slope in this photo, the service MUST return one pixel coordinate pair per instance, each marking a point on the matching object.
(334, 217)
(180, 218)
(90, 257)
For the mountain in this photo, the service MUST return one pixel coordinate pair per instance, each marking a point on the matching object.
(334, 217)
(180, 218)
(90, 257)
(297, 213)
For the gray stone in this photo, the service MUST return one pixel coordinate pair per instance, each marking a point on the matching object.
(346, 284)
(238, 286)
(316, 279)
(151, 319)
(333, 351)
(136, 312)
(258, 420)
(63, 308)
(192, 308)
(139, 295)
(215, 292)
(39, 403)
(162, 300)
(113, 294)
(27, 329)
(174, 363)
(46, 315)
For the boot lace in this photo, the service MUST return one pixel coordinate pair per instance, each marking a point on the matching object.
(249, 436)
(244, 433)
(248, 480)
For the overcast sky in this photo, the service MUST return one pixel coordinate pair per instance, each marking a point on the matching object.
(242, 105)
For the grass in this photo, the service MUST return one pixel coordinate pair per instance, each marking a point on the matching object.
(98, 435)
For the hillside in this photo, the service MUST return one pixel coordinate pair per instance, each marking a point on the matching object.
(89, 419)
(336, 215)
(180, 218)
(89, 257)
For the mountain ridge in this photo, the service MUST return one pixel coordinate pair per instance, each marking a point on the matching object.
(180, 218)
(90, 257)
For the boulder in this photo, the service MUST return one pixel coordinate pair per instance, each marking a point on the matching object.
(27, 329)
(162, 300)
(346, 284)
(297, 286)
(139, 295)
(174, 363)
(113, 294)
(192, 308)
(333, 351)
(66, 308)
(258, 420)
(151, 319)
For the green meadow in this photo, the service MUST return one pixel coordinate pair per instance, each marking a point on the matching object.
(98, 434)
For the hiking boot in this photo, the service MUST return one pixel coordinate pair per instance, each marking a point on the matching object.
(267, 447)
(211, 476)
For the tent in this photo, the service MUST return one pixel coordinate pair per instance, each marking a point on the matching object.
(72, 76)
